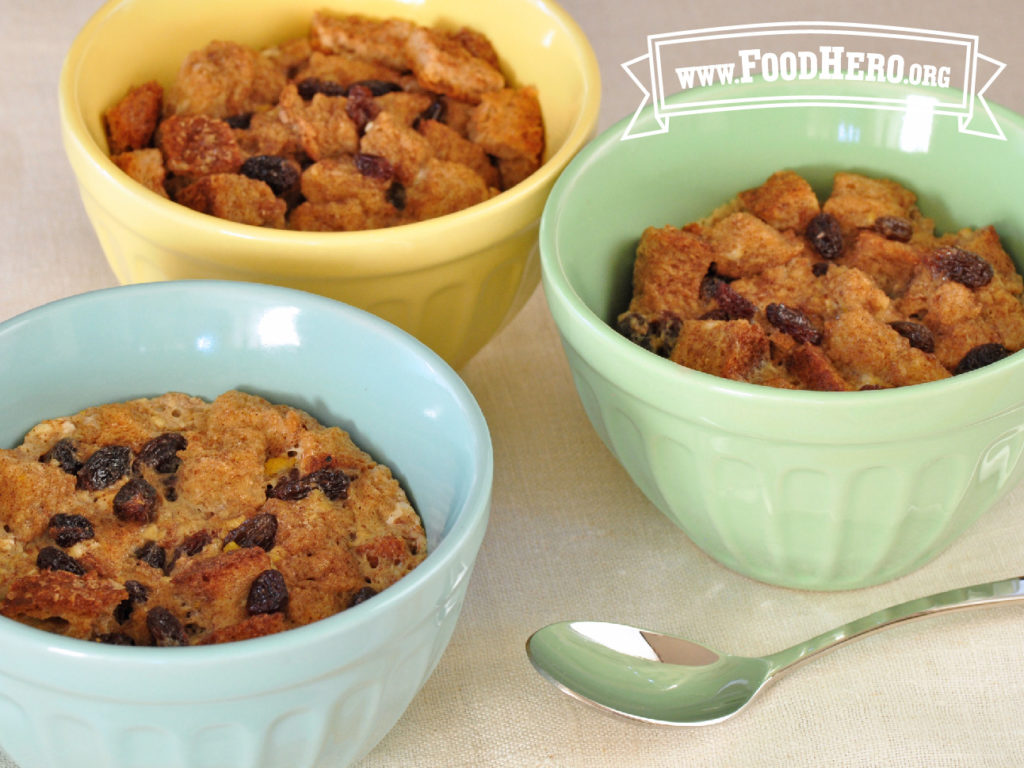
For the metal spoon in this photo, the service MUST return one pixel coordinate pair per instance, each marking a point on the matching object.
(662, 679)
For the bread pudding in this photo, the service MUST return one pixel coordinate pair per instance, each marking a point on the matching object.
(175, 521)
(857, 292)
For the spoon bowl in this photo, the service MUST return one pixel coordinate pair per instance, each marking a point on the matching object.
(667, 680)
(646, 675)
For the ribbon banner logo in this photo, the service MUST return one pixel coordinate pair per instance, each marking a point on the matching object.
(943, 71)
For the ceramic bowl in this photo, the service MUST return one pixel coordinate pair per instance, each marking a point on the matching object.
(812, 490)
(322, 694)
(452, 282)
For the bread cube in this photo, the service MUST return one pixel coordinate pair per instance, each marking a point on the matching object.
(785, 201)
(146, 166)
(268, 134)
(194, 145)
(508, 123)
(667, 273)
(379, 40)
(890, 263)
(449, 146)
(236, 198)
(345, 68)
(870, 352)
(858, 201)
(404, 148)
(322, 125)
(225, 79)
(442, 188)
(443, 64)
(733, 349)
(131, 122)
(745, 245)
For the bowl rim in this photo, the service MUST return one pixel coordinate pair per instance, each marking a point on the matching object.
(507, 212)
(465, 523)
(666, 383)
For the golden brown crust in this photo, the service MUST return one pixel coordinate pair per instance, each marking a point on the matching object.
(784, 201)
(131, 122)
(857, 293)
(75, 605)
(443, 64)
(196, 145)
(146, 166)
(240, 488)
(734, 350)
(234, 197)
(441, 188)
(224, 79)
(507, 124)
(355, 87)
(377, 40)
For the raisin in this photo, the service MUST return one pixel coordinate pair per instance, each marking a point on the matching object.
(105, 467)
(68, 530)
(194, 543)
(63, 452)
(361, 107)
(362, 596)
(152, 554)
(819, 268)
(292, 487)
(374, 166)
(241, 121)
(825, 237)
(735, 306)
(137, 593)
(980, 356)
(396, 195)
(961, 266)
(170, 484)
(258, 531)
(275, 171)
(919, 335)
(135, 501)
(731, 305)
(165, 628)
(268, 593)
(794, 322)
(115, 638)
(374, 87)
(53, 559)
(437, 110)
(333, 482)
(894, 228)
(708, 288)
(311, 86)
(161, 453)
(658, 335)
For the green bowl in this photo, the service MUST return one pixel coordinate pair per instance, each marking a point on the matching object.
(813, 490)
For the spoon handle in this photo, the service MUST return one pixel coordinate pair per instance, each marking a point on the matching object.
(1007, 590)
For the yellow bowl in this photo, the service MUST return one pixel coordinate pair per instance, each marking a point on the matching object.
(452, 282)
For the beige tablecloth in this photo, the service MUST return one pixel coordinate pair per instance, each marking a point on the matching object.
(570, 536)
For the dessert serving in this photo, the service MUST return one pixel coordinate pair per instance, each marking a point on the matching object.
(176, 521)
(363, 123)
(858, 292)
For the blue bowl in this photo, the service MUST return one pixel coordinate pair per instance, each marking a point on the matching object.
(325, 693)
